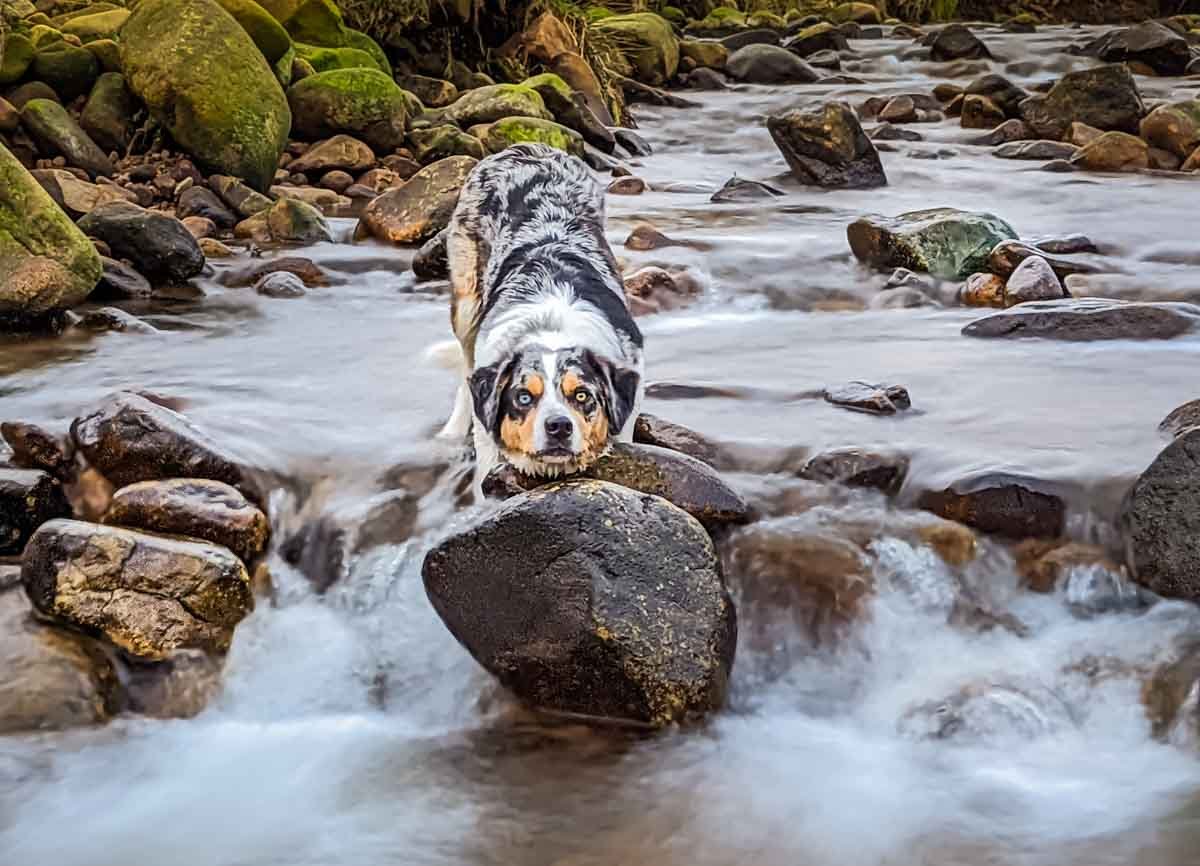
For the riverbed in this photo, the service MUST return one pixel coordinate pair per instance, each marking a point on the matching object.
(352, 729)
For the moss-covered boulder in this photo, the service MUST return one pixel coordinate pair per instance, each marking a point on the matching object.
(108, 113)
(649, 44)
(57, 133)
(360, 41)
(860, 13)
(99, 25)
(268, 34)
(16, 57)
(107, 53)
(438, 142)
(204, 78)
(324, 59)
(361, 101)
(947, 243)
(705, 53)
(515, 130)
(497, 101)
(296, 222)
(46, 262)
(69, 69)
(317, 22)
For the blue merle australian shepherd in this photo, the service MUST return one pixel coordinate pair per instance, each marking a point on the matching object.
(552, 359)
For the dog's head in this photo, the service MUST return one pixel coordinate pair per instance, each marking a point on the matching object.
(553, 412)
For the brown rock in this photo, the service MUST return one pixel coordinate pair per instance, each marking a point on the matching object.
(872, 399)
(28, 498)
(856, 467)
(1081, 135)
(178, 687)
(53, 679)
(652, 430)
(646, 237)
(340, 152)
(422, 207)
(627, 186)
(1000, 505)
(653, 290)
(200, 227)
(1114, 151)
(979, 112)
(1184, 418)
(983, 290)
(147, 594)
(306, 269)
(1043, 564)
(198, 508)
(34, 447)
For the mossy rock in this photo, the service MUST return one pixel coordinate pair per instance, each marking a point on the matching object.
(317, 22)
(549, 85)
(488, 104)
(704, 53)
(71, 71)
(363, 101)
(727, 14)
(328, 59)
(109, 111)
(284, 68)
(44, 35)
(56, 132)
(767, 20)
(649, 44)
(101, 25)
(947, 243)
(91, 9)
(268, 34)
(438, 142)
(597, 13)
(675, 15)
(202, 76)
(860, 13)
(515, 130)
(107, 54)
(46, 262)
(17, 56)
(361, 41)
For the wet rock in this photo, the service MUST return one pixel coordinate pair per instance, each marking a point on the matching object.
(129, 439)
(856, 467)
(422, 207)
(439, 142)
(431, 261)
(1066, 245)
(947, 243)
(178, 687)
(979, 112)
(654, 290)
(591, 599)
(1033, 280)
(872, 399)
(1039, 150)
(901, 298)
(1163, 160)
(1007, 256)
(645, 237)
(56, 132)
(281, 285)
(1174, 128)
(819, 37)
(1160, 521)
(631, 142)
(987, 711)
(1080, 134)
(201, 75)
(1084, 319)
(706, 54)
(74, 195)
(34, 447)
(887, 132)
(340, 152)
(999, 505)
(158, 245)
(769, 64)
(114, 319)
(899, 109)
(292, 221)
(197, 201)
(1152, 43)
(214, 249)
(433, 92)
(1009, 131)
(1000, 92)
(496, 102)
(364, 102)
(53, 679)
(1105, 97)
(983, 290)
(652, 430)
(1169, 696)
(28, 498)
(1184, 418)
(827, 147)
(147, 594)
(119, 282)
(706, 79)
(1113, 151)
(740, 189)
(627, 186)
(241, 198)
(193, 507)
(1045, 566)
(956, 42)
(199, 228)
(306, 269)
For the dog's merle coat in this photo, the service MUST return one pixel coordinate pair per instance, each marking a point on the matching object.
(540, 311)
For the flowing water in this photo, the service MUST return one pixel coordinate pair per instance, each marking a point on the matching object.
(352, 729)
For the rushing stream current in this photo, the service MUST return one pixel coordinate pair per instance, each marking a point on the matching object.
(352, 730)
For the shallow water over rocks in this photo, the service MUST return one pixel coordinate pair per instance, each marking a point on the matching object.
(353, 729)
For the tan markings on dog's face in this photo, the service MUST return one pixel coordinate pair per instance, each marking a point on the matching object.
(518, 428)
(534, 384)
(582, 397)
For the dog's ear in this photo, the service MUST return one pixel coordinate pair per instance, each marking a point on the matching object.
(620, 391)
(487, 384)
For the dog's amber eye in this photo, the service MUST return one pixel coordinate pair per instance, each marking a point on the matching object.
(582, 396)
(524, 399)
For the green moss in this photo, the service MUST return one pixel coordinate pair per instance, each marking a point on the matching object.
(726, 13)
(346, 100)
(203, 77)
(44, 36)
(439, 142)
(284, 67)
(514, 130)
(675, 15)
(318, 22)
(268, 34)
(548, 84)
(496, 101)
(327, 59)
(32, 225)
(102, 25)
(107, 53)
(363, 42)
(766, 19)
(71, 71)
(598, 13)
(648, 43)
(18, 54)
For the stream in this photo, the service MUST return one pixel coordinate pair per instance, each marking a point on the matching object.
(353, 729)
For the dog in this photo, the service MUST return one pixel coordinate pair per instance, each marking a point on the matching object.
(551, 356)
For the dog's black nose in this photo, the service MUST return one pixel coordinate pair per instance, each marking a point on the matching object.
(558, 428)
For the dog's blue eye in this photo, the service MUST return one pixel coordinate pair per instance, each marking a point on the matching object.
(524, 398)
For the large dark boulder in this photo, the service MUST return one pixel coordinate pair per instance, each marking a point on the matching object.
(129, 439)
(1105, 97)
(592, 599)
(1012, 507)
(28, 498)
(1160, 521)
(147, 594)
(1083, 319)
(956, 42)
(769, 64)
(1152, 43)
(160, 246)
(827, 147)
